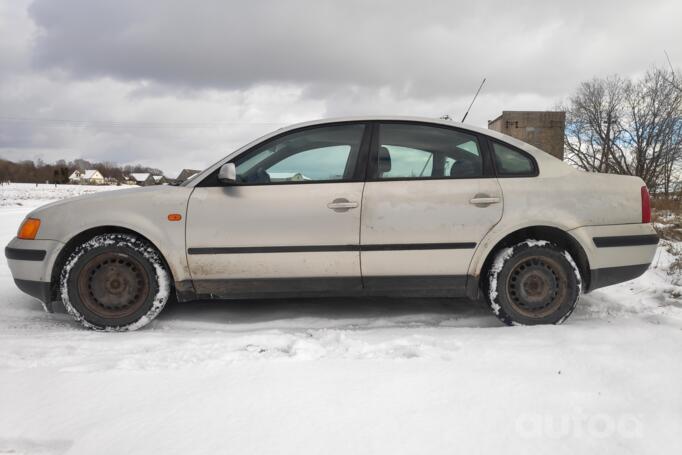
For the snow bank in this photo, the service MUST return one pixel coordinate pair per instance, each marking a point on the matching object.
(654, 295)
(32, 195)
(345, 376)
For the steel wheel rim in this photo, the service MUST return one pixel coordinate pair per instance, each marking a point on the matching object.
(113, 285)
(537, 286)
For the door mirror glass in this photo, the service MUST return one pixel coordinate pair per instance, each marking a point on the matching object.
(227, 174)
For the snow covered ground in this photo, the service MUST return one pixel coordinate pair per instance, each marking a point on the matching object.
(342, 376)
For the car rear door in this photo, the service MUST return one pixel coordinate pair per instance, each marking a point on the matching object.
(430, 198)
(290, 225)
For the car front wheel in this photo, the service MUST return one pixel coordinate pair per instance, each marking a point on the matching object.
(533, 282)
(114, 282)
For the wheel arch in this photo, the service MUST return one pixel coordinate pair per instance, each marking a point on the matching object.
(552, 234)
(83, 236)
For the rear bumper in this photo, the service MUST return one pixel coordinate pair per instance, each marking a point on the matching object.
(616, 253)
(600, 278)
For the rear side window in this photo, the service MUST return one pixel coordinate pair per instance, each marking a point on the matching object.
(414, 151)
(512, 163)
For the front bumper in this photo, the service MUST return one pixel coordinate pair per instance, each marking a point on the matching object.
(31, 263)
(41, 290)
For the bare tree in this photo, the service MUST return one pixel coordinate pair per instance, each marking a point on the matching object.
(39, 172)
(592, 124)
(652, 134)
(628, 127)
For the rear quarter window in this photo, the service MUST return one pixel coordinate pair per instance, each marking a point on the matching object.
(512, 163)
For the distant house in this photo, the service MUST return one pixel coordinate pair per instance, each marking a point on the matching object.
(159, 179)
(86, 177)
(287, 177)
(141, 178)
(186, 174)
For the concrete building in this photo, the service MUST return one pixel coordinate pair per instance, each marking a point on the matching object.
(543, 129)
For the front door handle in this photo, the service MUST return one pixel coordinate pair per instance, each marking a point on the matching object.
(484, 200)
(342, 205)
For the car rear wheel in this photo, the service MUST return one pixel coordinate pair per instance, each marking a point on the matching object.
(115, 282)
(533, 282)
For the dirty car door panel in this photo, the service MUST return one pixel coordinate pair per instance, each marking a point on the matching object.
(429, 203)
(291, 223)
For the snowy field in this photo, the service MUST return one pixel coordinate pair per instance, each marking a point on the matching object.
(342, 376)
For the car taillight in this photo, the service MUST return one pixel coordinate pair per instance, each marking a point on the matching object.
(646, 206)
(29, 229)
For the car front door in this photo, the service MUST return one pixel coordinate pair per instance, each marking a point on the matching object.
(291, 222)
(429, 200)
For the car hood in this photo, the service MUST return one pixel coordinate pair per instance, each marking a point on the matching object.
(148, 192)
(143, 210)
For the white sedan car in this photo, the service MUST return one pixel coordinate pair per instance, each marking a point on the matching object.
(387, 206)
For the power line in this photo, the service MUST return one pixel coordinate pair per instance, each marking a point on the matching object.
(73, 123)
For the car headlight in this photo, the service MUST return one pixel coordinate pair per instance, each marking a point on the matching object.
(29, 229)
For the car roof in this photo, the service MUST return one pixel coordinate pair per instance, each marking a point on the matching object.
(404, 118)
(379, 118)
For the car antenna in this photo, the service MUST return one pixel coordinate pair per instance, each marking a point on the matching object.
(472, 101)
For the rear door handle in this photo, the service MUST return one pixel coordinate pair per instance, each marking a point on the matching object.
(342, 205)
(484, 200)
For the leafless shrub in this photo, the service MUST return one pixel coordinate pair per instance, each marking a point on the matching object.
(675, 268)
(667, 218)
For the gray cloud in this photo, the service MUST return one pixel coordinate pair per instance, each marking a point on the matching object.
(417, 49)
(133, 71)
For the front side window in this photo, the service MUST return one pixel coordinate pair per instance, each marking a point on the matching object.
(327, 153)
(421, 152)
(511, 163)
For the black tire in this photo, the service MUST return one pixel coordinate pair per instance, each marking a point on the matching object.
(114, 282)
(533, 282)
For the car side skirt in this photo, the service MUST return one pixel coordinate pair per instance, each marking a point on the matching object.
(332, 248)
(385, 286)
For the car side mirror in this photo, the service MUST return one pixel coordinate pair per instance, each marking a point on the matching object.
(227, 175)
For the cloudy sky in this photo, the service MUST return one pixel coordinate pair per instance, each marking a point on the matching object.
(174, 84)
